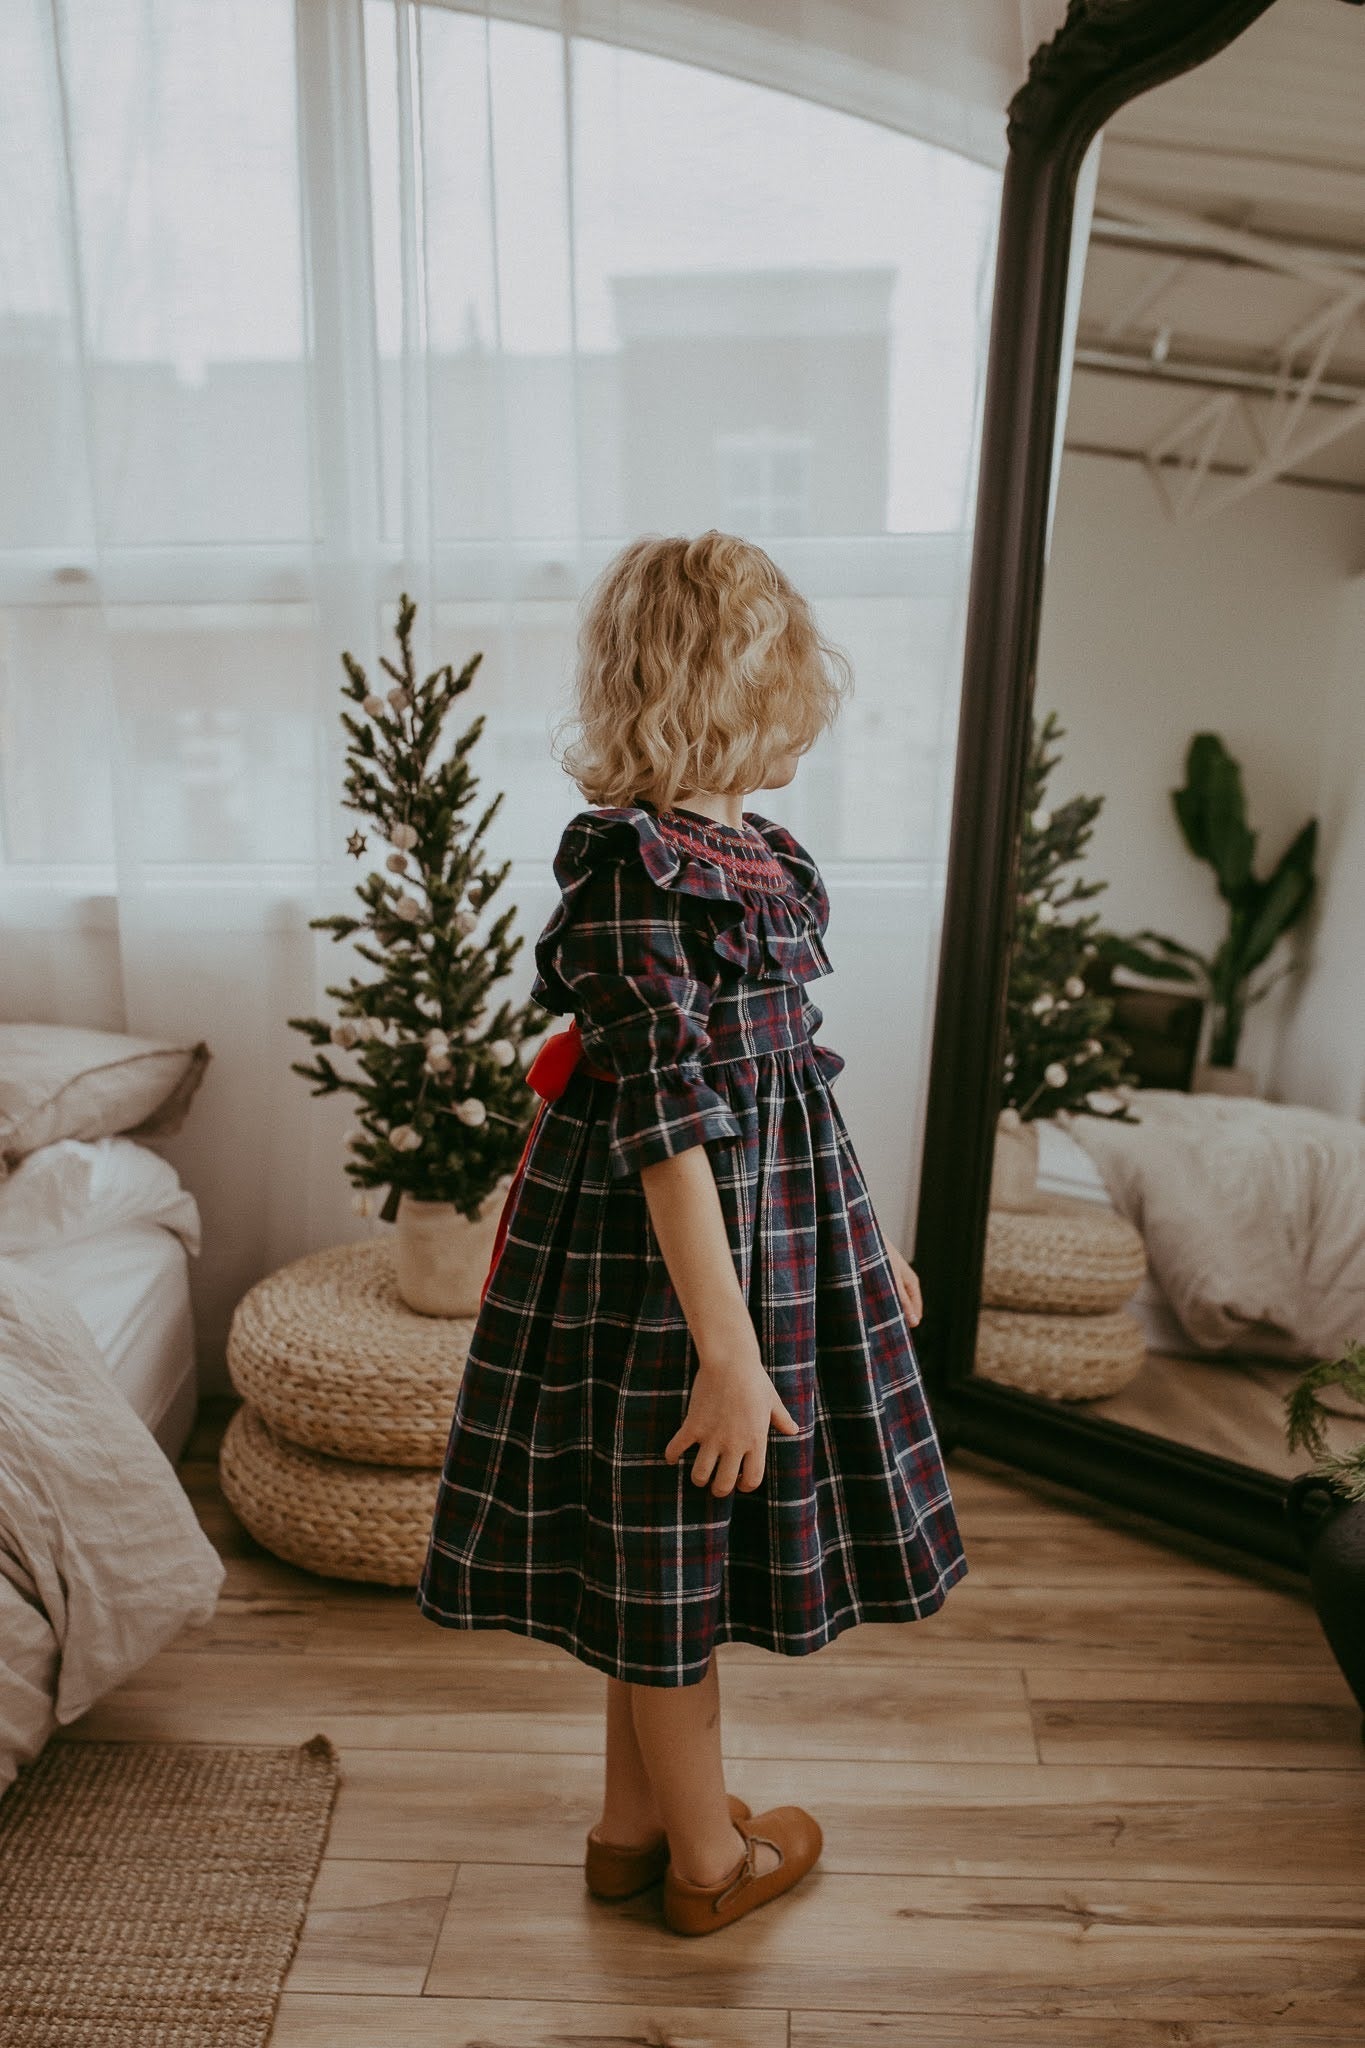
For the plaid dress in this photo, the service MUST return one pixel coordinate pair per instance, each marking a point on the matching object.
(681, 946)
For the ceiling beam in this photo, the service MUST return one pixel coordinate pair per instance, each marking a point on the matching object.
(1153, 165)
(1193, 247)
(1204, 371)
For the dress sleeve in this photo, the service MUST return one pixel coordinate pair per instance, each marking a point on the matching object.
(641, 973)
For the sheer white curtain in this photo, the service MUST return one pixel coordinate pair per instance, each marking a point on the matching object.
(302, 305)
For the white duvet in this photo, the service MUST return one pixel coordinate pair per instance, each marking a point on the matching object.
(1253, 1215)
(102, 1561)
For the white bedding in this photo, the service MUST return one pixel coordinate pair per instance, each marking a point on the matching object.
(101, 1559)
(1065, 1168)
(1252, 1213)
(108, 1223)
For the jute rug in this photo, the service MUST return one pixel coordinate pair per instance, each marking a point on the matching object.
(151, 1896)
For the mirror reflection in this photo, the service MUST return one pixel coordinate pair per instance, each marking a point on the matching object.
(1177, 1226)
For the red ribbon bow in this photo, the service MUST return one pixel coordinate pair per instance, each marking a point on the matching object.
(548, 1074)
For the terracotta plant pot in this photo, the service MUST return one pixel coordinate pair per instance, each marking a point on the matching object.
(442, 1256)
(1331, 1533)
(1014, 1168)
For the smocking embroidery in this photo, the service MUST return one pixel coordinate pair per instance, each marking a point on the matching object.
(760, 870)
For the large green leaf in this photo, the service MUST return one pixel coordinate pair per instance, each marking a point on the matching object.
(1283, 898)
(1211, 809)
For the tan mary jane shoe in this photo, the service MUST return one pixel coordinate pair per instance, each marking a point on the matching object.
(702, 1908)
(617, 1873)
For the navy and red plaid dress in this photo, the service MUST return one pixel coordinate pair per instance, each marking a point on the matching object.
(681, 946)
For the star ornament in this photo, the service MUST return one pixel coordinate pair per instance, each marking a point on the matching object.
(355, 845)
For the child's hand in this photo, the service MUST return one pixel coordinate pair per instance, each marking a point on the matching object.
(732, 1406)
(907, 1286)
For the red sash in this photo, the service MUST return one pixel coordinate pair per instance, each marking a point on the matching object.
(548, 1074)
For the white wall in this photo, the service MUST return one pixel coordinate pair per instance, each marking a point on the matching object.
(1238, 625)
(1322, 1049)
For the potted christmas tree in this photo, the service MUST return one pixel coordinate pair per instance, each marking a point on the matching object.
(1060, 1052)
(443, 1102)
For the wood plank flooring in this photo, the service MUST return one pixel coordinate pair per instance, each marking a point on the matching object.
(1111, 1796)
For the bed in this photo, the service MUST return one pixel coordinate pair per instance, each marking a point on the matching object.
(102, 1561)
(109, 1226)
(1226, 1398)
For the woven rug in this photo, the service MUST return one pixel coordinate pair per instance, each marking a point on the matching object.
(151, 1896)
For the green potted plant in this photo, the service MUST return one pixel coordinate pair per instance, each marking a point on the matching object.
(1211, 812)
(1326, 1509)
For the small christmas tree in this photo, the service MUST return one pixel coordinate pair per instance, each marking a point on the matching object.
(443, 1100)
(1060, 1050)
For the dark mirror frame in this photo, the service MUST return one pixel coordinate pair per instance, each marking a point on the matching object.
(1106, 53)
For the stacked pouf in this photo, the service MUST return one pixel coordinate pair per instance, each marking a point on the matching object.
(1055, 1282)
(333, 1460)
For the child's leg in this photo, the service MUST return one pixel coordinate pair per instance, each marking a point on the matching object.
(678, 1728)
(630, 1812)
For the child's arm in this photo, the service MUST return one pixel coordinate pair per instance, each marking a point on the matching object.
(733, 1402)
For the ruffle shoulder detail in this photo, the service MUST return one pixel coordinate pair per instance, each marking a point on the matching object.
(766, 919)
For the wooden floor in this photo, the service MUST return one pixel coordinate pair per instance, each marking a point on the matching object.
(1110, 1793)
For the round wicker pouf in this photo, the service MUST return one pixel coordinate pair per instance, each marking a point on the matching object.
(327, 1515)
(332, 1357)
(1063, 1357)
(1063, 1260)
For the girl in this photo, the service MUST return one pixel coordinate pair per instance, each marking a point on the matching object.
(692, 1411)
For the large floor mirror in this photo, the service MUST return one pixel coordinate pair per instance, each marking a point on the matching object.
(1143, 1207)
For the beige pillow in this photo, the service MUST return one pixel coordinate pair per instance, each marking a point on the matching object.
(57, 1081)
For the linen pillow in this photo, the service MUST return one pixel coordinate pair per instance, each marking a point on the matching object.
(58, 1081)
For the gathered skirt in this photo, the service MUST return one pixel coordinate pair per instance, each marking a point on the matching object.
(557, 1515)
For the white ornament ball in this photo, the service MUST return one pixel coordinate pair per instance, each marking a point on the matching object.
(437, 1060)
(1075, 987)
(404, 837)
(1009, 1118)
(397, 863)
(345, 1035)
(502, 1052)
(362, 1202)
(1093, 1048)
(436, 1036)
(400, 699)
(465, 922)
(471, 1110)
(1041, 818)
(407, 907)
(1055, 1074)
(1045, 912)
(404, 1138)
(372, 704)
(1041, 1005)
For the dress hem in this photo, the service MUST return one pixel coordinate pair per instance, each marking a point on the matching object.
(726, 1632)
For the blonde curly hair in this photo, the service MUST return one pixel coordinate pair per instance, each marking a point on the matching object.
(699, 667)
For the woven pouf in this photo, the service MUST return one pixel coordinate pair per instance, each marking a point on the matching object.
(327, 1515)
(1062, 1259)
(1063, 1358)
(332, 1357)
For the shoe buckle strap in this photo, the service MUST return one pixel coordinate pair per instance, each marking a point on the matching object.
(746, 1872)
